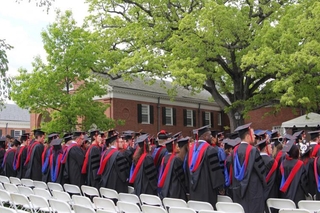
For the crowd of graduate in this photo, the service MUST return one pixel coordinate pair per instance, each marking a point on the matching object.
(249, 168)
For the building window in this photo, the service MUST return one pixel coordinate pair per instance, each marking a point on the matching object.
(219, 119)
(16, 133)
(207, 118)
(189, 117)
(145, 114)
(168, 116)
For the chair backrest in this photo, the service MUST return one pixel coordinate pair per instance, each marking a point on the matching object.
(130, 190)
(60, 206)
(25, 191)
(42, 192)
(82, 201)
(21, 200)
(152, 200)
(224, 198)
(90, 191)
(16, 181)
(4, 179)
(5, 197)
(199, 205)
(103, 211)
(27, 182)
(229, 207)
(82, 209)
(62, 196)
(40, 184)
(280, 203)
(109, 193)
(174, 202)
(211, 211)
(311, 205)
(293, 211)
(11, 188)
(181, 210)
(6, 210)
(1, 186)
(128, 207)
(39, 202)
(73, 189)
(105, 204)
(153, 209)
(55, 186)
(130, 198)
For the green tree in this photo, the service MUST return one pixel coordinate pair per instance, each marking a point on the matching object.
(214, 45)
(5, 81)
(63, 88)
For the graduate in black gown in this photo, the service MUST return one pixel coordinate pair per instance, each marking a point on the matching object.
(72, 161)
(172, 181)
(8, 159)
(128, 152)
(314, 143)
(2, 152)
(143, 173)
(205, 175)
(249, 173)
(46, 157)
(20, 156)
(294, 178)
(159, 151)
(34, 156)
(114, 167)
(55, 168)
(92, 160)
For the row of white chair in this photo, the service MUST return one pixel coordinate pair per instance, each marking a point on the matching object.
(281, 203)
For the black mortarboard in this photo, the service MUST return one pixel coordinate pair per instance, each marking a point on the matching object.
(52, 135)
(234, 142)
(141, 139)
(24, 137)
(56, 142)
(110, 133)
(86, 138)
(298, 134)
(181, 142)
(163, 135)
(178, 134)
(220, 133)
(169, 142)
(243, 128)
(314, 134)
(67, 137)
(16, 142)
(214, 133)
(261, 144)
(38, 131)
(201, 130)
(306, 152)
(94, 132)
(111, 139)
(234, 135)
(274, 134)
(128, 134)
(78, 133)
(289, 137)
(102, 134)
(288, 145)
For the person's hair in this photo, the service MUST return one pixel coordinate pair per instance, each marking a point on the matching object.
(8, 136)
(183, 151)
(170, 148)
(38, 134)
(294, 152)
(276, 149)
(138, 154)
(242, 134)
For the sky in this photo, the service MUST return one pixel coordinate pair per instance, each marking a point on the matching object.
(21, 26)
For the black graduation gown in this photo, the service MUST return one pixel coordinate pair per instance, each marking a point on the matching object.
(2, 152)
(279, 158)
(175, 183)
(22, 154)
(128, 154)
(34, 165)
(45, 165)
(227, 167)
(205, 181)
(249, 192)
(55, 171)
(94, 154)
(116, 172)
(298, 189)
(8, 163)
(146, 179)
(317, 161)
(308, 165)
(72, 167)
(157, 158)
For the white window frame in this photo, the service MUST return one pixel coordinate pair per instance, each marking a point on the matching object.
(169, 114)
(70, 87)
(219, 119)
(207, 117)
(189, 114)
(17, 133)
(147, 113)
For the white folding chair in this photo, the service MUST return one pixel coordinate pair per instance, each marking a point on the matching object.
(90, 191)
(130, 190)
(1, 186)
(311, 205)
(103, 211)
(40, 204)
(181, 210)
(82, 201)
(72, 189)
(209, 211)
(82, 209)
(224, 198)
(25, 191)
(11, 188)
(55, 186)
(199, 205)
(293, 211)
(40, 184)
(42, 192)
(5, 198)
(174, 202)
(128, 207)
(60, 206)
(4, 179)
(16, 181)
(152, 200)
(20, 200)
(62, 196)
(109, 193)
(280, 203)
(153, 209)
(27, 182)
(6, 210)
(130, 198)
(105, 204)
(229, 207)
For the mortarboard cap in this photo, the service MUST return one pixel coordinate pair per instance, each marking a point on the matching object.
(16, 142)
(181, 142)
(67, 137)
(24, 137)
(233, 135)
(163, 135)
(298, 134)
(201, 130)
(234, 142)
(141, 138)
(274, 134)
(288, 145)
(38, 132)
(261, 144)
(306, 152)
(220, 133)
(169, 142)
(52, 135)
(214, 133)
(243, 128)
(111, 139)
(314, 134)
(86, 138)
(95, 132)
(111, 133)
(178, 134)
(78, 133)
(56, 142)
(289, 137)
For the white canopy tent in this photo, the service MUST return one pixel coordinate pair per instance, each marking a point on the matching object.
(308, 120)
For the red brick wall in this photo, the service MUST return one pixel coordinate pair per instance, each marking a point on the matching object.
(8, 130)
